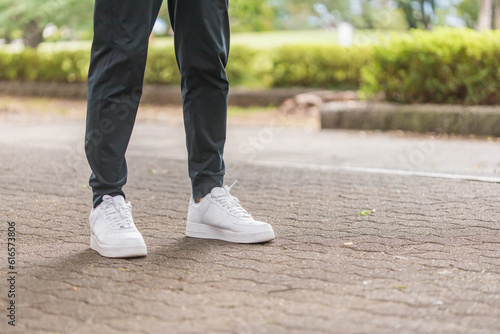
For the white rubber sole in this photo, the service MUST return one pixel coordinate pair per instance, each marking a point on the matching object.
(117, 251)
(203, 231)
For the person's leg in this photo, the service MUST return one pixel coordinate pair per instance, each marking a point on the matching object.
(201, 30)
(118, 58)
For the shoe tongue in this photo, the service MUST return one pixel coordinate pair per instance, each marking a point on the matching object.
(218, 191)
(119, 200)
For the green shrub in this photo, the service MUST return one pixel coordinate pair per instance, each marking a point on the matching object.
(21, 66)
(161, 67)
(30, 65)
(72, 66)
(241, 67)
(318, 66)
(443, 66)
(67, 66)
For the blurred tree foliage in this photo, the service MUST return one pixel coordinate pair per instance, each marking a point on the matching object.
(296, 14)
(262, 15)
(418, 13)
(468, 10)
(29, 17)
(252, 15)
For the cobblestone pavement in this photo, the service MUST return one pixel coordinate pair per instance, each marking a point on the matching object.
(425, 260)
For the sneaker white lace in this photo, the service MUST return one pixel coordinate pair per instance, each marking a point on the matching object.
(220, 216)
(112, 229)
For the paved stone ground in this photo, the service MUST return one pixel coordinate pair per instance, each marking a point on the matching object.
(427, 260)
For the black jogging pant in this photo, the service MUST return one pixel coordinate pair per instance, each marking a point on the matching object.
(116, 73)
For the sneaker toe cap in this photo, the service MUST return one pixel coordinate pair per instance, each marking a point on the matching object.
(121, 239)
(250, 227)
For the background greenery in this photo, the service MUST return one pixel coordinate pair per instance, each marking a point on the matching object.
(401, 48)
(34, 21)
(442, 66)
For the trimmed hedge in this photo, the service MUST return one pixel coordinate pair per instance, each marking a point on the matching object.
(307, 66)
(72, 66)
(319, 66)
(443, 66)
(161, 67)
(30, 65)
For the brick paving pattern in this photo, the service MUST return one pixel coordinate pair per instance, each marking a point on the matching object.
(427, 260)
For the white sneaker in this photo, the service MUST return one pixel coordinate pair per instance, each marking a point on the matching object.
(112, 229)
(220, 216)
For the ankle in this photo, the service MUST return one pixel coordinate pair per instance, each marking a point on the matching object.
(198, 200)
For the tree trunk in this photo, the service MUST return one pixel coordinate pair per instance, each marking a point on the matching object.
(366, 14)
(485, 15)
(424, 19)
(8, 38)
(497, 14)
(408, 11)
(32, 35)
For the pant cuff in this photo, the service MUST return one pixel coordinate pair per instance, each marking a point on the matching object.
(204, 185)
(99, 194)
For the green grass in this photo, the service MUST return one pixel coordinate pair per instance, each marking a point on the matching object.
(278, 38)
(270, 39)
(258, 40)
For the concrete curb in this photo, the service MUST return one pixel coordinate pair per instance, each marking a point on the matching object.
(154, 94)
(478, 120)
